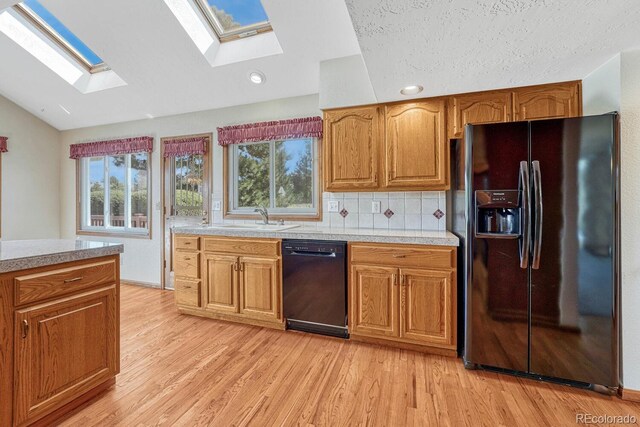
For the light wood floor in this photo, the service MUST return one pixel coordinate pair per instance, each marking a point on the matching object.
(187, 371)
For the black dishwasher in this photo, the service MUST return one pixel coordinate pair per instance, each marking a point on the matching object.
(315, 286)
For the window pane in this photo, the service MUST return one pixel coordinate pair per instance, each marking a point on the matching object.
(233, 14)
(139, 190)
(117, 168)
(188, 194)
(62, 31)
(253, 175)
(294, 173)
(96, 191)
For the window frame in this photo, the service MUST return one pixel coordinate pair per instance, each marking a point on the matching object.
(58, 40)
(83, 208)
(230, 171)
(230, 35)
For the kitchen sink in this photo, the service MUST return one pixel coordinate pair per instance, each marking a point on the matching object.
(255, 227)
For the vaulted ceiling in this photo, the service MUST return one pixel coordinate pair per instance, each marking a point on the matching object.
(448, 46)
(457, 46)
(166, 74)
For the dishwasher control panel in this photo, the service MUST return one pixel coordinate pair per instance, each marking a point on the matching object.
(329, 247)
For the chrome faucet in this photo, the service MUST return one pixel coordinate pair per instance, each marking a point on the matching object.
(264, 214)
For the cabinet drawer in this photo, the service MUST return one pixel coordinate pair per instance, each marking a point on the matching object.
(240, 246)
(187, 243)
(54, 283)
(187, 292)
(404, 255)
(186, 264)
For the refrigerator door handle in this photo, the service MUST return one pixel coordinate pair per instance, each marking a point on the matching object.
(525, 243)
(537, 188)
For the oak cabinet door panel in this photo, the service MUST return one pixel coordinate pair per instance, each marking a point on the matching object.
(63, 349)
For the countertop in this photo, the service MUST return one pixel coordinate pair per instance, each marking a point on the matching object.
(420, 237)
(25, 254)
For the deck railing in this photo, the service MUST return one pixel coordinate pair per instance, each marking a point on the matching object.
(137, 221)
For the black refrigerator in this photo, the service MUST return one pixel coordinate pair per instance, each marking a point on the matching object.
(542, 250)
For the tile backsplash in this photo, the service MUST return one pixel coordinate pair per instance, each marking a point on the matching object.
(412, 210)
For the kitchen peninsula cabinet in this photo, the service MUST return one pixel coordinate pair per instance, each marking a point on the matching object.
(59, 327)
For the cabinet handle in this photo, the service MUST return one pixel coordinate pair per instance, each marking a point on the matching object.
(25, 328)
(242, 266)
(402, 279)
(399, 256)
(235, 266)
(75, 279)
(187, 259)
(187, 243)
(394, 278)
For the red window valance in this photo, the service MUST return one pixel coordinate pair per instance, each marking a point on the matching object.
(308, 127)
(3, 144)
(184, 146)
(140, 144)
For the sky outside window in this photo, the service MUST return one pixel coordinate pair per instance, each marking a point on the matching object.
(63, 31)
(238, 13)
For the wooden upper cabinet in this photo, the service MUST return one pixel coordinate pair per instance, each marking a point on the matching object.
(427, 306)
(374, 301)
(221, 283)
(259, 288)
(547, 101)
(478, 108)
(415, 146)
(63, 349)
(351, 144)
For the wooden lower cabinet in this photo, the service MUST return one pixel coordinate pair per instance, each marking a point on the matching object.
(426, 311)
(241, 281)
(59, 345)
(260, 286)
(63, 348)
(404, 300)
(221, 283)
(374, 300)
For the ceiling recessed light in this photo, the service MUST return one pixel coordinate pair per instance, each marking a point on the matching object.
(411, 90)
(257, 77)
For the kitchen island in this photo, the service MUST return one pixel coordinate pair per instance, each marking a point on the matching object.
(59, 326)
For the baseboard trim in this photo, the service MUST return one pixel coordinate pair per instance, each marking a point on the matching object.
(629, 394)
(143, 284)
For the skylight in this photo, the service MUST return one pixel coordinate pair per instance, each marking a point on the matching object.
(59, 33)
(232, 19)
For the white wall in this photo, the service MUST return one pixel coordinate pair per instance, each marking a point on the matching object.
(142, 257)
(345, 82)
(30, 175)
(630, 174)
(601, 89)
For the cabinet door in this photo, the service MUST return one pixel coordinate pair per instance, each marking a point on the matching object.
(547, 102)
(374, 301)
(260, 288)
(415, 146)
(350, 145)
(426, 308)
(63, 349)
(221, 283)
(477, 109)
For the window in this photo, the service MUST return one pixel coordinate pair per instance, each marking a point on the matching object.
(114, 194)
(231, 19)
(61, 35)
(280, 175)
